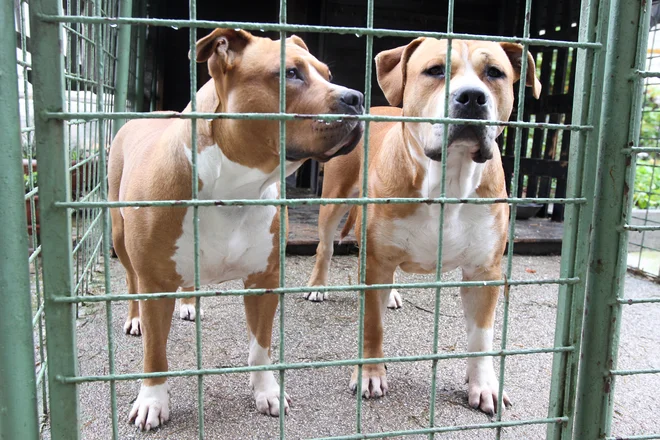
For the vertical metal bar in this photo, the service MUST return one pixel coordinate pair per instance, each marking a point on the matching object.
(607, 264)
(56, 222)
(513, 208)
(123, 62)
(578, 218)
(140, 59)
(18, 383)
(102, 141)
(192, 38)
(365, 209)
(282, 209)
(441, 222)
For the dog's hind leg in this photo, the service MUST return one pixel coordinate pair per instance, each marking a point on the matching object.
(329, 218)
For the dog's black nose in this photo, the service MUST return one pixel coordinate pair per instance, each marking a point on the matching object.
(352, 98)
(470, 97)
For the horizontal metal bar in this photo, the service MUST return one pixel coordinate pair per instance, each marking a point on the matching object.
(635, 437)
(87, 233)
(80, 34)
(34, 255)
(317, 201)
(37, 315)
(87, 196)
(294, 117)
(309, 365)
(635, 150)
(358, 31)
(640, 228)
(85, 80)
(647, 74)
(81, 278)
(634, 372)
(445, 429)
(633, 301)
(304, 289)
(27, 129)
(42, 371)
(23, 63)
(80, 163)
(31, 193)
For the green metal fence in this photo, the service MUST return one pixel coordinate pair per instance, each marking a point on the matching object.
(82, 56)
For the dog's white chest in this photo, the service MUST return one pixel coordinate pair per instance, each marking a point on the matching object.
(468, 236)
(234, 241)
(468, 233)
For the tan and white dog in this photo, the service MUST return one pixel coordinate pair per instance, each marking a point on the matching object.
(150, 159)
(405, 161)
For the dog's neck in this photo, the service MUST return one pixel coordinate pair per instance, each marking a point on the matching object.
(463, 174)
(221, 177)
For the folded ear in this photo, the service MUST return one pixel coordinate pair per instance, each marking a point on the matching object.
(295, 39)
(223, 43)
(514, 52)
(391, 70)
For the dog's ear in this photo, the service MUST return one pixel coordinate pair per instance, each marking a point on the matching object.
(225, 44)
(295, 39)
(391, 70)
(514, 52)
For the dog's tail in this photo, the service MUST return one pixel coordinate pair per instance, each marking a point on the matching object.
(350, 222)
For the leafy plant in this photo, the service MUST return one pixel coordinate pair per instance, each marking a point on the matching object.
(26, 181)
(647, 184)
(650, 130)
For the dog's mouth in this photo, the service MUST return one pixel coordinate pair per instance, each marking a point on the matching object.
(476, 138)
(346, 145)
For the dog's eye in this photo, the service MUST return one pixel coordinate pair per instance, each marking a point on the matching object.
(292, 73)
(436, 71)
(494, 72)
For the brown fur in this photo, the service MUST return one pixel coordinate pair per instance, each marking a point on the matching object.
(393, 172)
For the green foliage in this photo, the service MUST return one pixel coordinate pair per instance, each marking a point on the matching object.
(647, 184)
(26, 181)
(647, 174)
(650, 130)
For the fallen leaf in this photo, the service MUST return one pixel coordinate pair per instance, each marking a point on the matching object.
(528, 270)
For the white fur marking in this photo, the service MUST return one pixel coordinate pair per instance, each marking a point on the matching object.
(187, 312)
(152, 407)
(265, 387)
(468, 233)
(234, 241)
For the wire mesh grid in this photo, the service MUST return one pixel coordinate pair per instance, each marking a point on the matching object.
(644, 246)
(90, 71)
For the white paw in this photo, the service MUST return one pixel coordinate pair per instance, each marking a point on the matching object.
(187, 312)
(395, 301)
(374, 381)
(151, 408)
(132, 327)
(316, 296)
(483, 389)
(267, 398)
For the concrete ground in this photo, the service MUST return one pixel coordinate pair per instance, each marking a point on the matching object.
(323, 405)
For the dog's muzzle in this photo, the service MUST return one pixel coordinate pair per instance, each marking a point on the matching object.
(468, 103)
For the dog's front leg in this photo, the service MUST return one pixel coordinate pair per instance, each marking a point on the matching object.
(374, 378)
(152, 406)
(259, 313)
(479, 305)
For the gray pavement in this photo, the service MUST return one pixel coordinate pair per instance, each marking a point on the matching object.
(323, 405)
